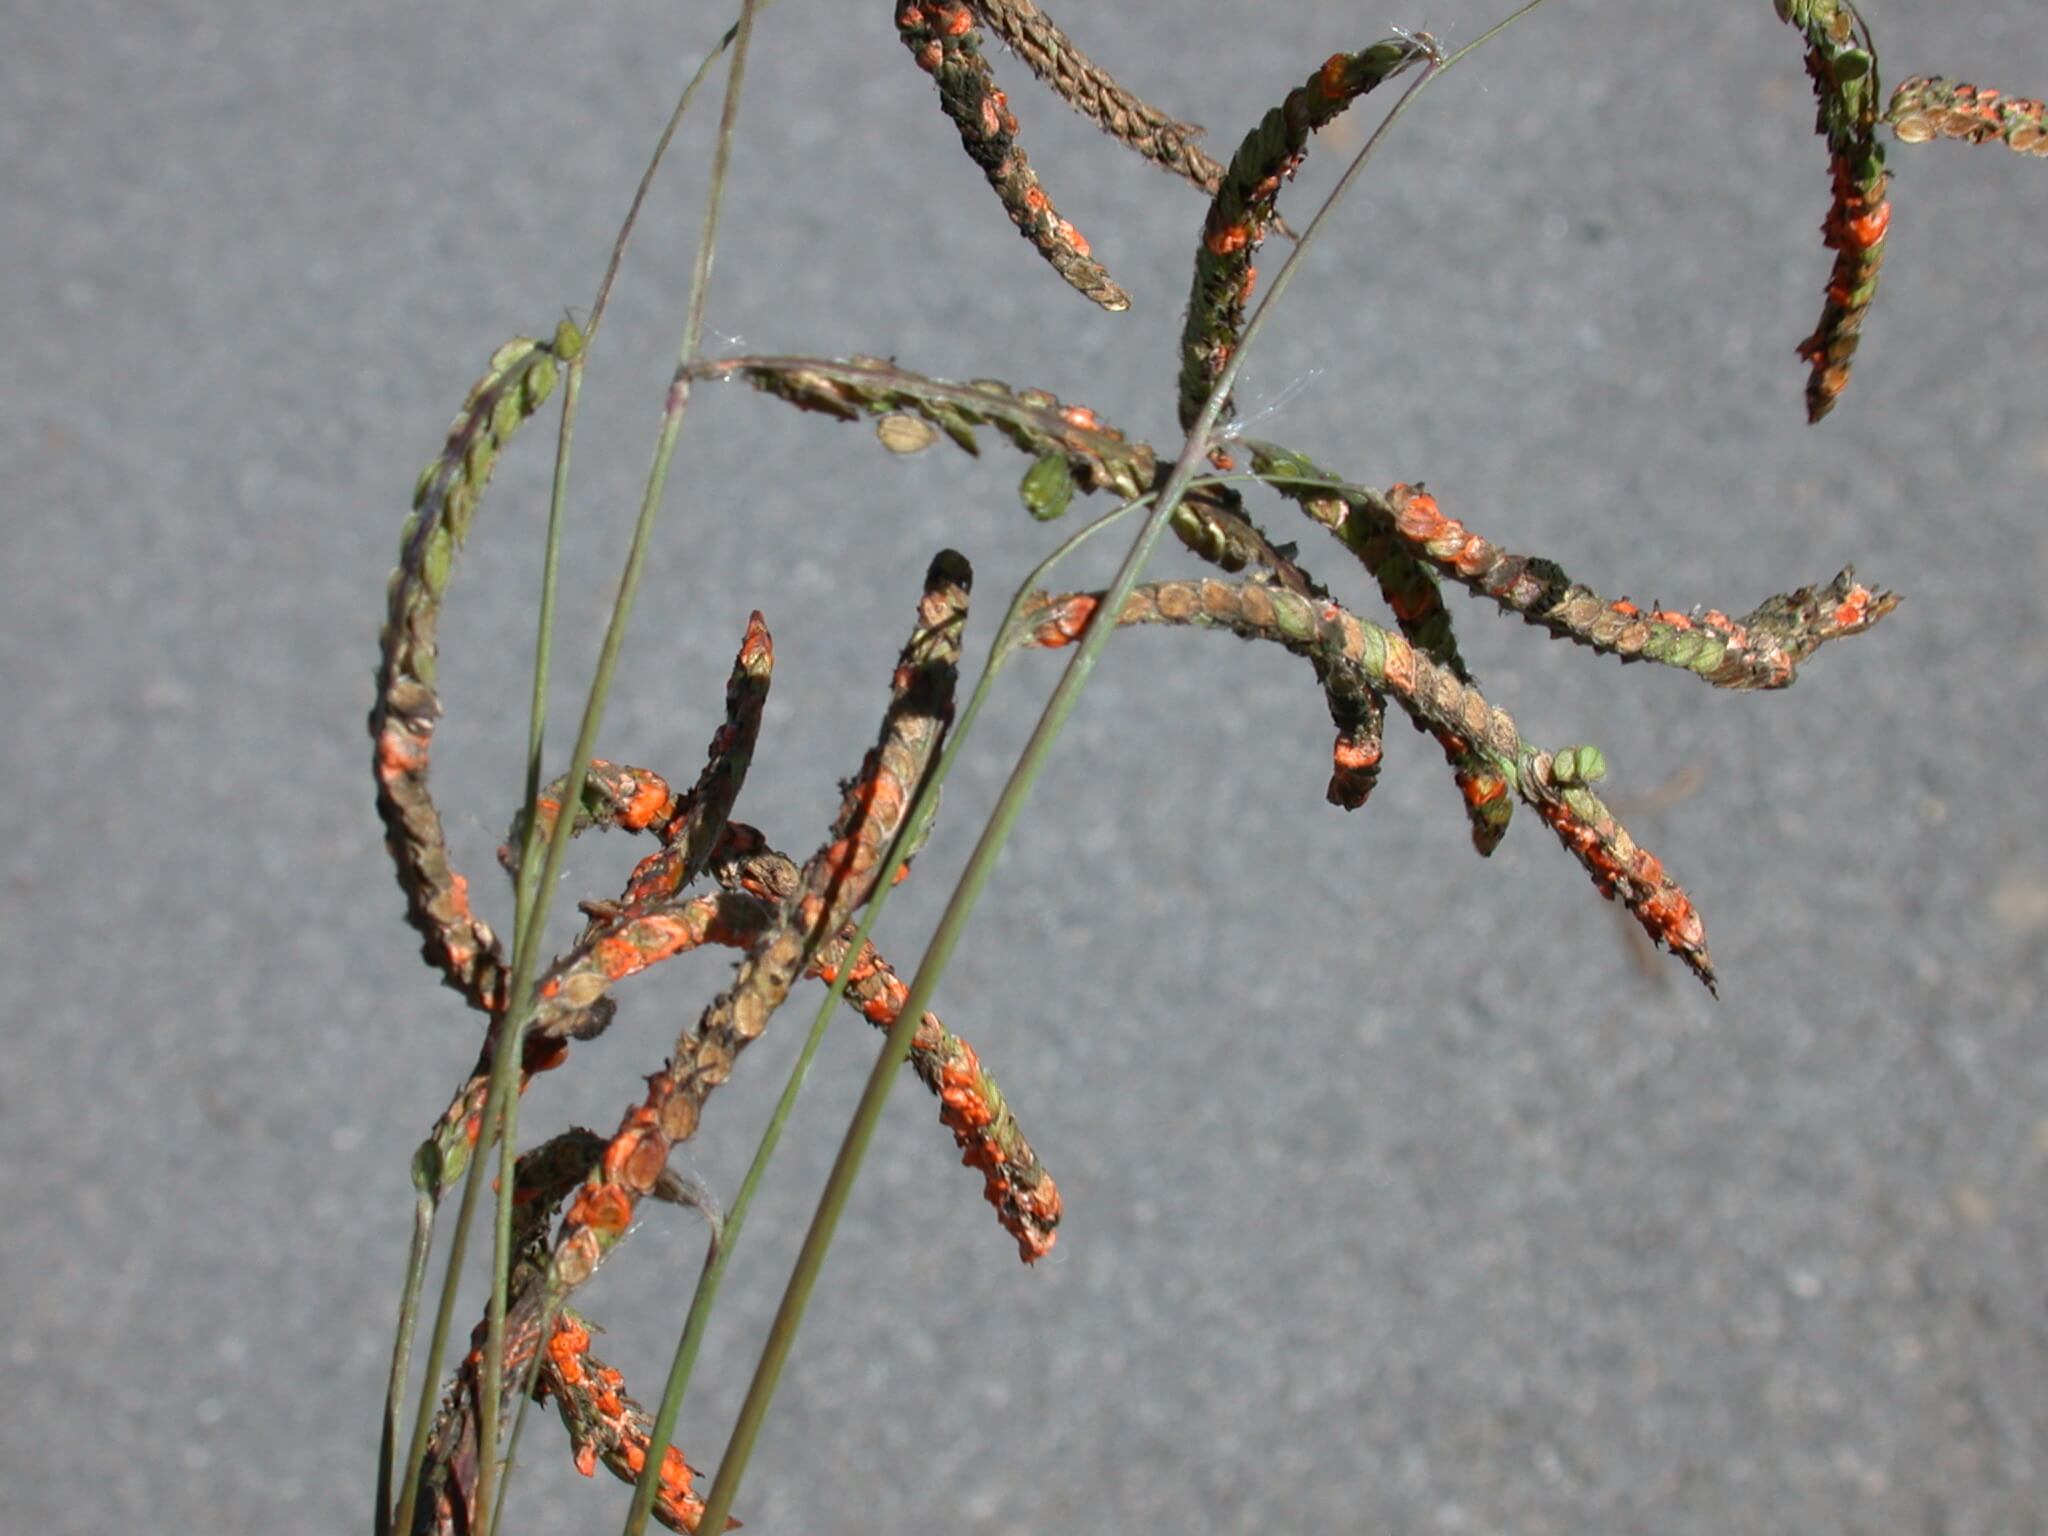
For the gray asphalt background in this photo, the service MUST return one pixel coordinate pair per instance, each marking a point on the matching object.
(1400, 1196)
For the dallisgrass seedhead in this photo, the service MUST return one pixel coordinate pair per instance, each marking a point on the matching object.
(788, 920)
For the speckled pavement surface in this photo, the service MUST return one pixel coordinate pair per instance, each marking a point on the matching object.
(1401, 1196)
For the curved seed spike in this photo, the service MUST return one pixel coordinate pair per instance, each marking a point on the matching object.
(457, 942)
(641, 801)
(1243, 209)
(607, 1426)
(836, 880)
(1435, 700)
(1026, 1200)
(1210, 519)
(1763, 649)
(941, 36)
(696, 831)
(1622, 870)
(1099, 457)
(1930, 107)
(1843, 67)
(1094, 93)
(731, 752)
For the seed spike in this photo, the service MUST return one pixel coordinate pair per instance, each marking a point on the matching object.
(1436, 700)
(943, 37)
(1843, 67)
(1244, 209)
(456, 941)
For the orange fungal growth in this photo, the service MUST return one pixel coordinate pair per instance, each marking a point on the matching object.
(650, 798)
(1227, 239)
(603, 1208)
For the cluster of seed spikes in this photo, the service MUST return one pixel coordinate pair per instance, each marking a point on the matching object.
(604, 1422)
(788, 920)
(1401, 536)
(943, 36)
(1409, 546)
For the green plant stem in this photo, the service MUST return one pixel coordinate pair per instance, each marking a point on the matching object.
(530, 865)
(507, 1049)
(528, 906)
(504, 1066)
(401, 1356)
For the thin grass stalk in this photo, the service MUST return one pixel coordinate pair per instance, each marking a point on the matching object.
(529, 865)
(401, 1357)
(839, 1184)
(458, 943)
(525, 936)
(525, 933)
(504, 1067)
